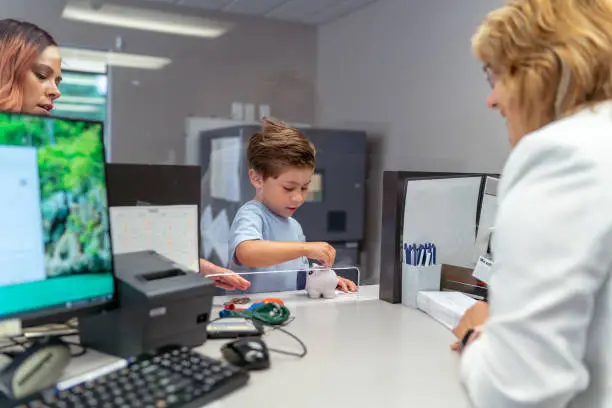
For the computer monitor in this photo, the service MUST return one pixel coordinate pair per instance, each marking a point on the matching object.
(55, 244)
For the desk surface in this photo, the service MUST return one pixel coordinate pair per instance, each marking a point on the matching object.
(362, 352)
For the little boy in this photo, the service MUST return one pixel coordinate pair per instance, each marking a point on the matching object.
(264, 236)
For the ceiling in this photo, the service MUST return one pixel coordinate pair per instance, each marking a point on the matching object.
(303, 11)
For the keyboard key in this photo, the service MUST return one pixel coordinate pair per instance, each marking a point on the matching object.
(149, 369)
(104, 396)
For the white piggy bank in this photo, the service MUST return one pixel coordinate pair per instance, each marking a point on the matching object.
(321, 282)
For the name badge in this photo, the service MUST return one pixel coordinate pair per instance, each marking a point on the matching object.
(483, 269)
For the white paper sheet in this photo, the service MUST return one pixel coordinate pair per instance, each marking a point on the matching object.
(225, 157)
(445, 307)
(172, 231)
(443, 212)
(488, 212)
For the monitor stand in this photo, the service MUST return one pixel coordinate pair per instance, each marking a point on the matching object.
(40, 366)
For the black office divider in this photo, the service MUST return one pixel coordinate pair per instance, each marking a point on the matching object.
(394, 191)
(153, 184)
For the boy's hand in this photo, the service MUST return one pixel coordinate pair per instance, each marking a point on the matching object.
(321, 252)
(346, 285)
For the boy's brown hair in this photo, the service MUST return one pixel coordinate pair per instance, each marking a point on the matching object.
(278, 147)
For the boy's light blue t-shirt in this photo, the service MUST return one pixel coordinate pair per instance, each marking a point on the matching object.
(254, 221)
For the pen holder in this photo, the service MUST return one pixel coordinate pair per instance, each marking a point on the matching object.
(418, 278)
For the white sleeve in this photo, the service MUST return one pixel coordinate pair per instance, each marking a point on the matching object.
(552, 233)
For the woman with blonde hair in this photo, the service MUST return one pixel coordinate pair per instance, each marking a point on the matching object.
(546, 341)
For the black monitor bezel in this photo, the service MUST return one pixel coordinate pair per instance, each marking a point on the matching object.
(60, 313)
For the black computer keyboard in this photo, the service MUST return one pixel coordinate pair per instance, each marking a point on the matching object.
(176, 378)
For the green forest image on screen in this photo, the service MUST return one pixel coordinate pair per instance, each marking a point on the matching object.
(75, 221)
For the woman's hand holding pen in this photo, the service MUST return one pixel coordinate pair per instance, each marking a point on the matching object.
(321, 252)
(473, 318)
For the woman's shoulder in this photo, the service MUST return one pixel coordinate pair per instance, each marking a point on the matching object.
(581, 143)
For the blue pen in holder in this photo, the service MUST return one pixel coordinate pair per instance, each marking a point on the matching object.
(419, 272)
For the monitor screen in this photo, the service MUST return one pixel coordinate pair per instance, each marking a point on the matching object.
(55, 241)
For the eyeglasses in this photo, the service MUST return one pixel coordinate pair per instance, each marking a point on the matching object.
(490, 76)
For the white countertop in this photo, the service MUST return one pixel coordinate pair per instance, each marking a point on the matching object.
(362, 352)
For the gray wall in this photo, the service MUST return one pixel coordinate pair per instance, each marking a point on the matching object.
(258, 61)
(403, 70)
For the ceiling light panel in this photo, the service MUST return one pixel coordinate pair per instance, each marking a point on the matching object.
(117, 59)
(143, 19)
(95, 67)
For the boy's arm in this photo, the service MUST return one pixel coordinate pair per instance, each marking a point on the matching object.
(248, 248)
(260, 254)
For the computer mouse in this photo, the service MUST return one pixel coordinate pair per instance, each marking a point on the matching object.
(249, 353)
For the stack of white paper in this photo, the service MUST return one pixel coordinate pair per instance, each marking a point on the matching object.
(445, 307)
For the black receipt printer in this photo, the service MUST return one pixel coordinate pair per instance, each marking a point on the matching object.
(160, 304)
